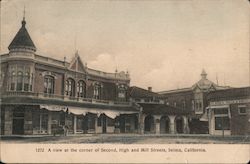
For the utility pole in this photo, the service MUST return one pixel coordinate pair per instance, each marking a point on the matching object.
(217, 79)
(222, 124)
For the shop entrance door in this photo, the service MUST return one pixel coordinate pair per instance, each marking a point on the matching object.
(18, 122)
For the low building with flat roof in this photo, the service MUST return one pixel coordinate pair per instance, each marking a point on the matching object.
(228, 112)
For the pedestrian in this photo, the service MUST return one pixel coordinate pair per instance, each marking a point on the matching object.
(65, 128)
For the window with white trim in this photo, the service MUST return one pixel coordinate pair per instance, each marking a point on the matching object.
(97, 91)
(21, 78)
(81, 88)
(49, 82)
(13, 81)
(121, 92)
(70, 87)
(222, 120)
(19, 81)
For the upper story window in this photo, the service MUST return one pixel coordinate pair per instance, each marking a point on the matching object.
(26, 80)
(122, 92)
(97, 91)
(70, 87)
(1, 77)
(19, 86)
(242, 109)
(193, 105)
(197, 105)
(21, 78)
(184, 104)
(81, 89)
(175, 104)
(49, 82)
(13, 81)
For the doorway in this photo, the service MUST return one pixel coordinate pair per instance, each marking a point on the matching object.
(179, 124)
(104, 124)
(164, 124)
(149, 125)
(18, 122)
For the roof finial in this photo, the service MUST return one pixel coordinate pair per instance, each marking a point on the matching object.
(24, 12)
(203, 74)
(23, 21)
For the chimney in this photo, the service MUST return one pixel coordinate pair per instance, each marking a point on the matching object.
(150, 89)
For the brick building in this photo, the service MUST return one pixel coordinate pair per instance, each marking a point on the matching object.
(40, 94)
(228, 112)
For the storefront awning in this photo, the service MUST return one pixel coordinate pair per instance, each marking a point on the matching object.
(110, 113)
(55, 108)
(83, 111)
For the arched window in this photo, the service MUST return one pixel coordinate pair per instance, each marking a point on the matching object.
(97, 91)
(49, 82)
(21, 78)
(70, 87)
(121, 92)
(26, 81)
(13, 81)
(19, 81)
(81, 88)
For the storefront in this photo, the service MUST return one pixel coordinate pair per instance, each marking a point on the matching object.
(52, 119)
(228, 112)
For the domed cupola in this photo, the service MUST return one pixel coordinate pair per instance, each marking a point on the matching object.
(22, 40)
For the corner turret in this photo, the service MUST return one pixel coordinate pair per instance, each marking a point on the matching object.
(22, 40)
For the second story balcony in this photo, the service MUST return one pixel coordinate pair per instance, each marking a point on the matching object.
(40, 96)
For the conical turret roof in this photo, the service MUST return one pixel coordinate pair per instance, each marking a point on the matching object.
(22, 39)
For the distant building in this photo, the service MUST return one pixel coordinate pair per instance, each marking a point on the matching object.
(157, 117)
(228, 112)
(140, 95)
(193, 100)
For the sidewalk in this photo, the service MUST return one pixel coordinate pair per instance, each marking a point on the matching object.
(125, 134)
(127, 138)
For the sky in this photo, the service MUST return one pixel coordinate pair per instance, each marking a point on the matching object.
(162, 44)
